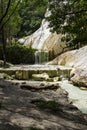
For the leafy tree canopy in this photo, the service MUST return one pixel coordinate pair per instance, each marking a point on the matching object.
(31, 13)
(9, 17)
(69, 17)
(9, 20)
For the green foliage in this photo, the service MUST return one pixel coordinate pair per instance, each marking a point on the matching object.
(31, 13)
(12, 20)
(70, 18)
(18, 54)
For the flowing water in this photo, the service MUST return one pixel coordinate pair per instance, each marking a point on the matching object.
(41, 57)
(76, 95)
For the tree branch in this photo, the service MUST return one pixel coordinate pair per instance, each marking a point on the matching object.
(10, 16)
(8, 5)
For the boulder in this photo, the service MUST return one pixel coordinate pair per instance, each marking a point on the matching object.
(79, 77)
(51, 75)
(78, 60)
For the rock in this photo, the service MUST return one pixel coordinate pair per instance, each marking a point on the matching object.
(64, 72)
(52, 73)
(44, 39)
(56, 79)
(40, 86)
(25, 75)
(53, 44)
(22, 74)
(62, 91)
(79, 76)
(45, 77)
(38, 110)
(8, 71)
(64, 59)
(40, 77)
(5, 76)
(83, 88)
(78, 60)
(53, 62)
(7, 64)
(25, 72)
(19, 75)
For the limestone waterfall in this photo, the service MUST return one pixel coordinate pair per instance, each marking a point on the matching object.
(44, 39)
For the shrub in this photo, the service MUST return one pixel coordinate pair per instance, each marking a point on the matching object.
(19, 54)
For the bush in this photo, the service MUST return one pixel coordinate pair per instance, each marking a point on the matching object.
(19, 54)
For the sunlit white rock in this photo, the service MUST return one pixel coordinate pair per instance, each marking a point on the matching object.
(78, 60)
(44, 39)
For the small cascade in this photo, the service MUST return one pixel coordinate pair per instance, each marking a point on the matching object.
(64, 72)
(41, 57)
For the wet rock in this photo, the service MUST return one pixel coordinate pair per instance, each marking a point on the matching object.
(64, 72)
(49, 76)
(25, 72)
(40, 77)
(40, 86)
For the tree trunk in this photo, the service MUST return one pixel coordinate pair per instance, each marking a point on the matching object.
(4, 47)
(3, 32)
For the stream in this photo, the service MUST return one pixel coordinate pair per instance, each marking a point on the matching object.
(76, 95)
